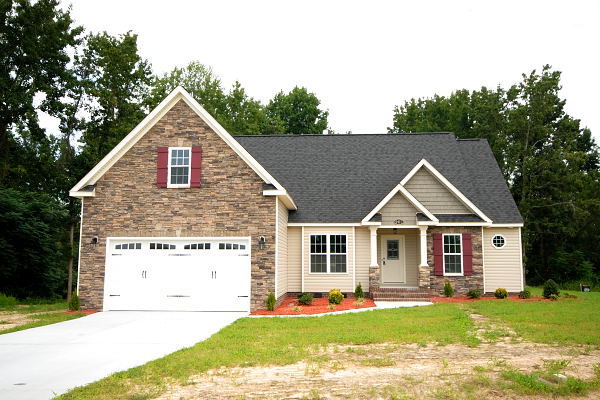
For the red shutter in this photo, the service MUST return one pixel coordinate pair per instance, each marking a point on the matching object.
(438, 254)
(467, 254)
(162, 161)
(196, 166)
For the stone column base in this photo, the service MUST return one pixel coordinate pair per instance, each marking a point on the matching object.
(374, 278)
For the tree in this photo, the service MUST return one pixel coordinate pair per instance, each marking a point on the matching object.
(297, 112)
(34, 43)
(549, 161)
(115, 78)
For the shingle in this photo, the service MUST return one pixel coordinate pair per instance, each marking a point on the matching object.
(341, 178)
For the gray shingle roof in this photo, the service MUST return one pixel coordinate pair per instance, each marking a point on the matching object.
(451, 217)
(341, 178)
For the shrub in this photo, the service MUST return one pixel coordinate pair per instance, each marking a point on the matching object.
(448, 289)
(358, 292)
(335, 296)
(474, 294)
(306, 299)
(550, 287)
(331, 306)
(525, 294)
(569, 296)
(359, 302)
(297, 309)
(7, 301)
(553, 297)
(501, 293)
(74, 302)
(271, 301)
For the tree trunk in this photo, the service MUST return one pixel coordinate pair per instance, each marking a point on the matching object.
(70, 263)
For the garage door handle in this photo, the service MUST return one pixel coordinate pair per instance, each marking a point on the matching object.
(213, 274)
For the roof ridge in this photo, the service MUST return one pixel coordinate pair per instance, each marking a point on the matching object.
(351, 134)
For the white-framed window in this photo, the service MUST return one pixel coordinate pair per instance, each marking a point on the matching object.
(180, 161)
(498, 241)
(328, 254)
(453, 254)
(128, 246)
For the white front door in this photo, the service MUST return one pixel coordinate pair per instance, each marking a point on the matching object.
(393, 266)
(177, 274)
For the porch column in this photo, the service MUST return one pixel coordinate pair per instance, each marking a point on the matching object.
(423, 242)
(374, 271)
(424, 270)
(373, 230)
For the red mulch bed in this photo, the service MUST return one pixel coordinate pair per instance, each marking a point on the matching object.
(465, 299)
(86, 312)
(318, 306)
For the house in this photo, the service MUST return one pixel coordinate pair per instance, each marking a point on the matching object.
(183, 216)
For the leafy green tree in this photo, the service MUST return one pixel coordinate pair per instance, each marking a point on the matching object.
(549, 161)
(115, 78)
(297, 112)
(34, 41)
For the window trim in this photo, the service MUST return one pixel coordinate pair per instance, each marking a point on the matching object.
(444, 254)
(328, 253)
(496, 247)
(189, 166)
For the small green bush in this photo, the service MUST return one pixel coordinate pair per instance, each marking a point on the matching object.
(271, 301)
(7, 301)
(525, 294)
(553, 297)
(550, 287)
(501, 293)
(74, 302)
(306, 299)
(474, 294)
(448, 289)
(358, 292)
(335, 296)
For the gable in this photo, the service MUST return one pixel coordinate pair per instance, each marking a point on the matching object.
(398, 208)
(434, 195)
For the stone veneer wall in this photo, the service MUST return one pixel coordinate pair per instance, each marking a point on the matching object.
(461, 284)
(128, 203)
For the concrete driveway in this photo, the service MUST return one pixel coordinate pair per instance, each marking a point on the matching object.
(43, 362)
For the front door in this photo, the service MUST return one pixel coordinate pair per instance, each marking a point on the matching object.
(393, 268)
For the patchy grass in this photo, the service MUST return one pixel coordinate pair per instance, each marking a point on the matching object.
(282, 341)
(36, 307)
(567, 321)
(41, 320)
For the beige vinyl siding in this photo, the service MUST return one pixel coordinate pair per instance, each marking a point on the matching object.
(502, 267)
(411, 251)
(323, 282)
(363, 256)
(294, 256)
(282, 245)
(398, 208)
(433, 195)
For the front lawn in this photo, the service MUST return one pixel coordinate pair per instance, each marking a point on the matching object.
(566, 321)
(18, 317)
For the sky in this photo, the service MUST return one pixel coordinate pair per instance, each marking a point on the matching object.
(363, 58)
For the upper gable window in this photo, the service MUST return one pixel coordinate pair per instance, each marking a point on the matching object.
(179, 166)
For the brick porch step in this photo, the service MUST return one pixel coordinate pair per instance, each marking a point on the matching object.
(401, 294)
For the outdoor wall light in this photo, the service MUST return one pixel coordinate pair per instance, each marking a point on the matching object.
(94, 241)
(261, 242)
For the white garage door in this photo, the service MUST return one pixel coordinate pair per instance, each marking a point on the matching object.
(177, 274)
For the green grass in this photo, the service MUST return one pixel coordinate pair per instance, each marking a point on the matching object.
(567, 321)
(43, 319)
(35, 307)
(279, 341)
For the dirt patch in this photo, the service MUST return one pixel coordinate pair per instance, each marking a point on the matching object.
(10, 319)
(290, 306)
(386, 371)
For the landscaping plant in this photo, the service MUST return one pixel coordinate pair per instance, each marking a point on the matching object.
(74, 302)
(358, 292)
(7, 301)
(525, 294)
(305, 299)
(553, 297)
(474, 294)
(271, 301)
(550, 288)
(501, 293)
(335, 296)
(448, 289)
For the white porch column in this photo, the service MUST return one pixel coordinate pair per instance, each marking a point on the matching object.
(423, 242)
(374, 262)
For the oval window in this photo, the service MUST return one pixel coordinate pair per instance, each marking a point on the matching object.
(498, 241)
